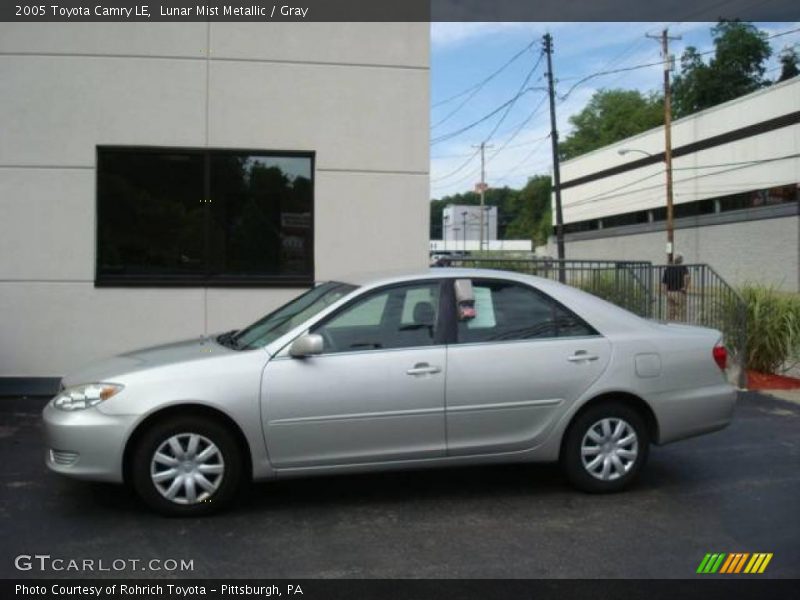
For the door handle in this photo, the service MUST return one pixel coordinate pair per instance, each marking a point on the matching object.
(423, 369)
(582, 355)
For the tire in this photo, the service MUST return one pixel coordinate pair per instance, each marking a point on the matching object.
(180, 485)
(608, 465)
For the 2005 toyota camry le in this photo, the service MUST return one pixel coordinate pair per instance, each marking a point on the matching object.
(440, 368)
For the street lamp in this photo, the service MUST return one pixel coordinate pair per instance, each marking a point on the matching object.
(670, 224)
(624, 151)
(464, 216)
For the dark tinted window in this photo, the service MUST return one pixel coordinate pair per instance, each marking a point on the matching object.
(397, 317)
(508, 311)
(204, 217)
(150, 217)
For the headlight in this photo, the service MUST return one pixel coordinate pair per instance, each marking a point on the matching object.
(85, 396)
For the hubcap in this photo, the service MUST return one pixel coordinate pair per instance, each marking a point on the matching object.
(187, 468)
(609, 449)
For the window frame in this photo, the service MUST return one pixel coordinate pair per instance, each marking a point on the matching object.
(206, 280)
(453, 332)
(438, 329)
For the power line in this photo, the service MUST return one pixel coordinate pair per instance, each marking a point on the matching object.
(486, 117)
(517, 131)
(458, 169)
(653, 64)
(517, 166)
(611, 72)
(522, 87)
(482, 83)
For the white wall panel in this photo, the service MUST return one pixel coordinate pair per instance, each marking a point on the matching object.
(47, 225)
(126, 39)
(57, 109)
(366, 118)
(403, 44)
(52, 328)
(373, 222)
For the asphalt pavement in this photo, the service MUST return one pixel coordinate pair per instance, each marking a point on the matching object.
(737, 490)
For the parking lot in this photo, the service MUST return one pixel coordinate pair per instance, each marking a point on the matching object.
(733, 491)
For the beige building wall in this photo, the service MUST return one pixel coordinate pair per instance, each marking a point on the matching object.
(356, 94)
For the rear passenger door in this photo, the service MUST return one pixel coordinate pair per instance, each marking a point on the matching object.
(515, 367)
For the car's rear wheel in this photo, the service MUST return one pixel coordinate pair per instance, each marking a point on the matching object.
(187, 465)
(605, 447)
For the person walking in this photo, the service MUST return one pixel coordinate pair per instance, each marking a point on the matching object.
(675, 284)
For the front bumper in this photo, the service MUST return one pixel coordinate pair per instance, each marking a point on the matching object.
(86, 444)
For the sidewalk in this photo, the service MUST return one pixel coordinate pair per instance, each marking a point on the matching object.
(788, 395)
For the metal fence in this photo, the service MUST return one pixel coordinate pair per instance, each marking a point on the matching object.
(641, 287)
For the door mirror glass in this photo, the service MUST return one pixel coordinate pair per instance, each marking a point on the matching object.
(465, 299)
(306, 345)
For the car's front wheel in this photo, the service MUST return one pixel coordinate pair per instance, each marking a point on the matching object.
(605, 448)
(187, 465)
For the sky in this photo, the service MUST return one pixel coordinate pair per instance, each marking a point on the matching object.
(464, 54)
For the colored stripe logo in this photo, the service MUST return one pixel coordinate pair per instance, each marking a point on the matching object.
(733, 563)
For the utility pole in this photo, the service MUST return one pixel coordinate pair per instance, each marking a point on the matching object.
(548, 49)
(665, 38)
(481, 188)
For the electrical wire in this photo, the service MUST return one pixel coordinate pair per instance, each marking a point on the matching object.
(458, 169)
(452, 134)
(486, 80)
(522, 87)
(517, 131)
(660, 62)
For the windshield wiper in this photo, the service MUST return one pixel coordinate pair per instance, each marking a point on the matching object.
(226, 339)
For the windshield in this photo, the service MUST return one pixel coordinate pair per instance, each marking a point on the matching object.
(289, 316)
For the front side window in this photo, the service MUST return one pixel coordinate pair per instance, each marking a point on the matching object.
(401, 316)
(506, 311)
(203, 217)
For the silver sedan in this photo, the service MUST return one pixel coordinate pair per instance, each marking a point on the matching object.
(441, 368)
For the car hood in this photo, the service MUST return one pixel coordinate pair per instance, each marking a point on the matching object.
(156, 356)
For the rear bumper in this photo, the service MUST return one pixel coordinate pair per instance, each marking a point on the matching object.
(85, 444)
(687, 413)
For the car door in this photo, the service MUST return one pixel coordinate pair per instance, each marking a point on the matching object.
(515, 367)
(376, 393)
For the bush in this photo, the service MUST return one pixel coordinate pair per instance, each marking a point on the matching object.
(773, 329)
(619, 287)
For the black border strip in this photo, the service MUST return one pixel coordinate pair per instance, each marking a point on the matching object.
(717, 140)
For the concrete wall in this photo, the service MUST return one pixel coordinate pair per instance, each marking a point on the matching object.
(356, 94)
(765, 251)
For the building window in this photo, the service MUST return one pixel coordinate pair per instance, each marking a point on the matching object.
(204, 217)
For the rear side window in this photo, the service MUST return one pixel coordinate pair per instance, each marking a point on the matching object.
(507, 311)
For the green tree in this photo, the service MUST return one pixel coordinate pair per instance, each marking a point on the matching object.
(789, 64)
(531, 211)
(737, 68)
(610, 116)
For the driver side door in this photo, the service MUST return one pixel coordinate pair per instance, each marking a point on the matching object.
(375, 394)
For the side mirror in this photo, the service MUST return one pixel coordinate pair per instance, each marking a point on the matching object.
(306, 345)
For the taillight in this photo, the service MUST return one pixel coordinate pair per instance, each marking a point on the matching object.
(720, 354)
